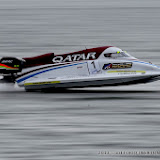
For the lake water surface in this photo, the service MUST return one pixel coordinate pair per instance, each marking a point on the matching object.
(96, 123)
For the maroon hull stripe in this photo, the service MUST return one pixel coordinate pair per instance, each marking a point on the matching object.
(51, 58)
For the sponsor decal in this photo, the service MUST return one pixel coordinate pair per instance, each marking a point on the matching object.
(41, 83)
(79, 67)
(3, 66)
(117, 65)
(7, 61)
(127, 72)
(74, 57)
(107, 66)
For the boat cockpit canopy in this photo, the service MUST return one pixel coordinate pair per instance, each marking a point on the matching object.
(118, 54)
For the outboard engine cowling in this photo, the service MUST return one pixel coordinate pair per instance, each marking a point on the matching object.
(11, 65)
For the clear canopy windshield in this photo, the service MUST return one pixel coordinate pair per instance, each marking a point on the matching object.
(117, 55)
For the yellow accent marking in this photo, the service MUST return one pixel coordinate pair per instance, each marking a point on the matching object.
(41, 83)
(126, 71)
(118, 52)
(16, 66)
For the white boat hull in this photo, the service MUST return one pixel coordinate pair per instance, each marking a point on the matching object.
(87, 82)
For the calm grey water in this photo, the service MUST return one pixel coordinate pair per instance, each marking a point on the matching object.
(80, 124)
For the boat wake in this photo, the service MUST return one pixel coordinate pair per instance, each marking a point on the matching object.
(6, 87)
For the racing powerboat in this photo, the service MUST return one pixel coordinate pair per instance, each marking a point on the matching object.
(102, 66)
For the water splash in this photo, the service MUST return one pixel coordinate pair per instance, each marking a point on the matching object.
(9, 87)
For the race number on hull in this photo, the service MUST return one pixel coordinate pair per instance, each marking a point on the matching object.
(74, 57)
